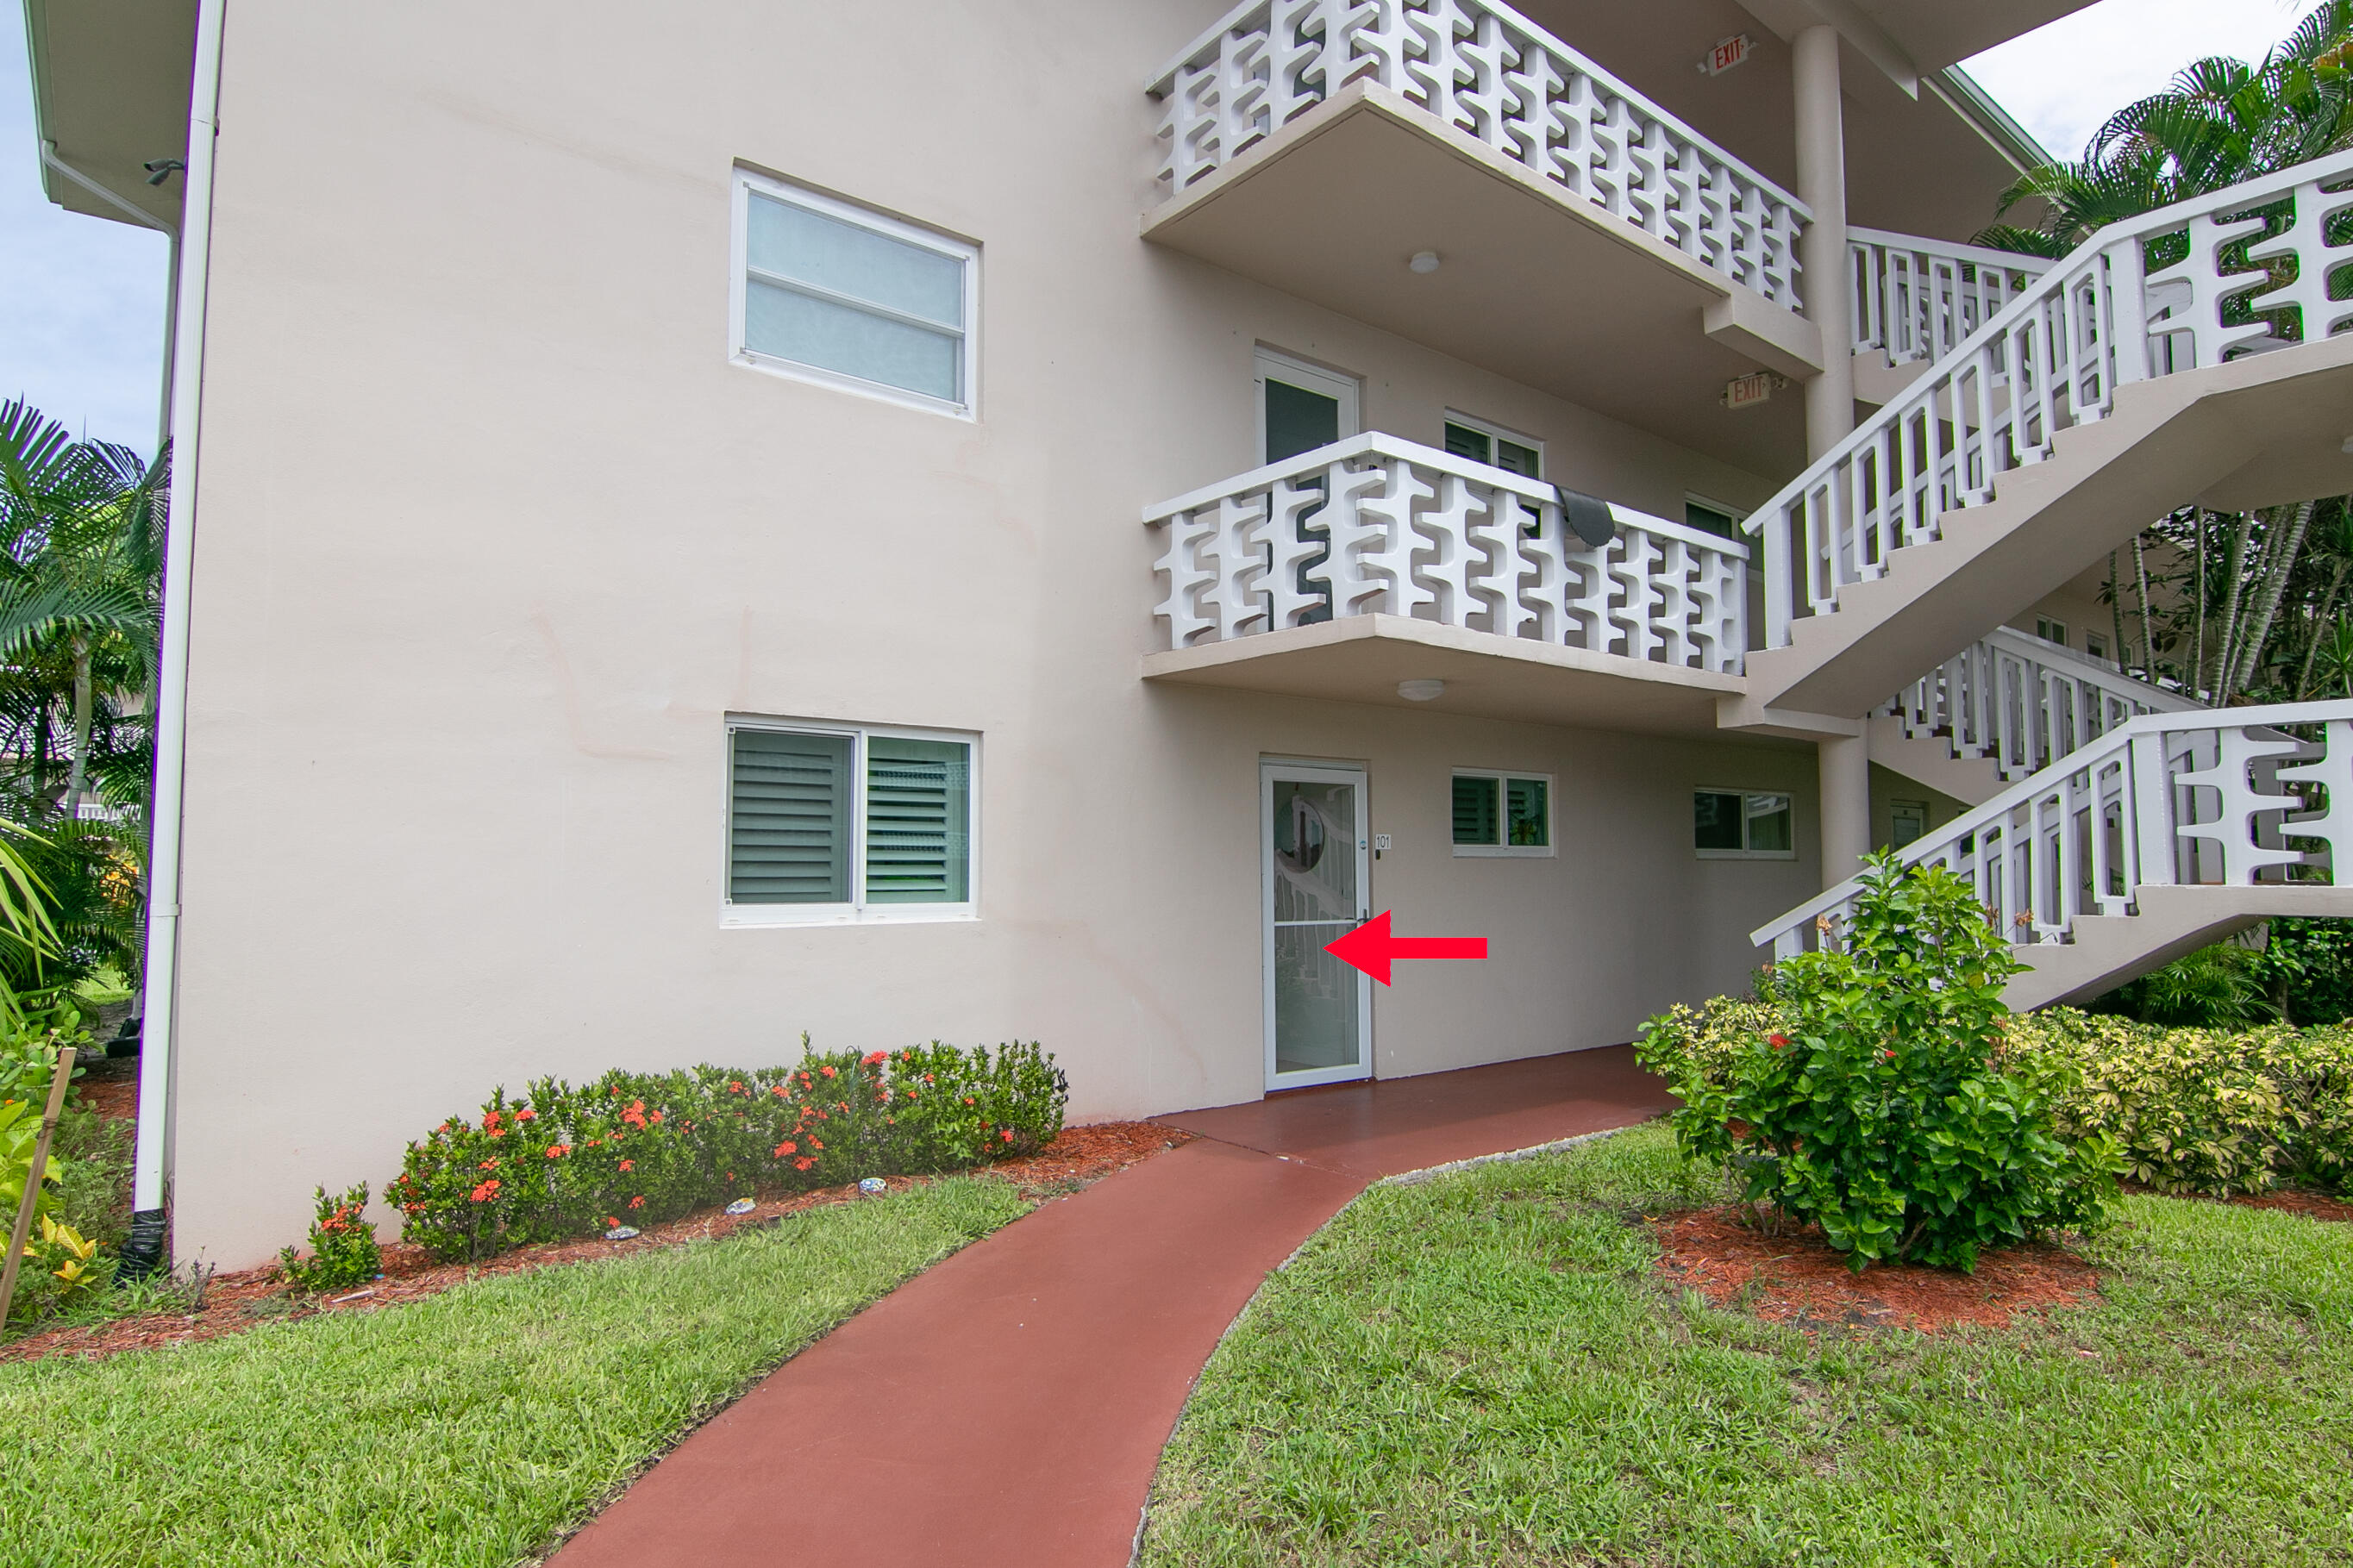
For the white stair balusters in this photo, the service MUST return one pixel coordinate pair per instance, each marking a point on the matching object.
(2024, 703)
(2242, 797)
(2052, 358)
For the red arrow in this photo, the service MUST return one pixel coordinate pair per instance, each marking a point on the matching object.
(1370, 947)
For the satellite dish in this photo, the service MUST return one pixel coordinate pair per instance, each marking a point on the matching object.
(1589, 517)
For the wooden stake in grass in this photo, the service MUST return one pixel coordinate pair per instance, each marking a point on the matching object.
(17, 1238)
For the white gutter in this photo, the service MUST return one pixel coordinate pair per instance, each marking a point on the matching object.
(50, 159)
(153, 1151)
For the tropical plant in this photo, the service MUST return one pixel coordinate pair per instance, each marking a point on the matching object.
(342, 1245)
(2215, 987)
(1875, 1112)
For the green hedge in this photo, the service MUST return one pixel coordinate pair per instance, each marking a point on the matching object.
(2196, 1110)
(637, 1149)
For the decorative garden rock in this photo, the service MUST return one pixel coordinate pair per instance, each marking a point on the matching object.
(622, 1233)
(873, 1186)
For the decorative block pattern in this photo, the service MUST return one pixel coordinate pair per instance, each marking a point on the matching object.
(1489, 72)
(1376, 525)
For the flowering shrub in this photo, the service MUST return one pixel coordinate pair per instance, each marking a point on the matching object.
(343, 1245)
(637, 1148)
(1876, 1109)
(2214, 1111)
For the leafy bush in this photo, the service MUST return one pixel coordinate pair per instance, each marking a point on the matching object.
(2213, 988)
(2197, 1110)
(2305, 967)
(343, 1245)
(637, 1149)
(1875, 1112)
(60, 1266)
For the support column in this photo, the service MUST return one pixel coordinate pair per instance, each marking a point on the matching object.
(1844, 764)
(1827, 284)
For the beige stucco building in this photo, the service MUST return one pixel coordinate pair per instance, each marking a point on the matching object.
(917, 521)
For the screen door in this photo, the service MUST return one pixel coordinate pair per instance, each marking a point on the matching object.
(1313, 861)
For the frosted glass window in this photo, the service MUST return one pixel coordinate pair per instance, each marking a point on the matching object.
(854, 297)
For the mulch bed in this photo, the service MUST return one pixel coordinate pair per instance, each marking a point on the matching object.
(1796, 1278)
(232, 1303)
(2295, 1200)
(110, 1086)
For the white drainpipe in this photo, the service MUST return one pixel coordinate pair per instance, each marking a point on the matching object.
(152, 1154)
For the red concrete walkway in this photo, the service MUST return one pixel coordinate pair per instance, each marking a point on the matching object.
(1009, 1405)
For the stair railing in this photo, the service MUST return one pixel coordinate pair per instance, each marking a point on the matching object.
(2183, 287)
(2235, 797)
(2025, 703)
(1919, 299)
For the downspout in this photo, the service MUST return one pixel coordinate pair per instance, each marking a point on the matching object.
(152, 1156)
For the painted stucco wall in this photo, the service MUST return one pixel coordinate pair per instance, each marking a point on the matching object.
(492, 537)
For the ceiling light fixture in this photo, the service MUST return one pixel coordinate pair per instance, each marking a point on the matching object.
(1423, 690)
(1424, 261)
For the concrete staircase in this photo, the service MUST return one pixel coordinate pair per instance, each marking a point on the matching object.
(2003, 708)
(2101, 395)
(2171, 830)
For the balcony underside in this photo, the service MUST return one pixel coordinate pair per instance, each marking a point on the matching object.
(111, 85)
(1534, 283)
(1361, 659)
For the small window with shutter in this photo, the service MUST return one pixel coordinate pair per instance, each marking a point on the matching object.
(828, 826)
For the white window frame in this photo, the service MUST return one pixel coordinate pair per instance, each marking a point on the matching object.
(2055, 625)
(858, 911)
(2099, 653)
(967, 406)
(1338, 385)
(1494, 432)
(1744, 854)
(1503, 777)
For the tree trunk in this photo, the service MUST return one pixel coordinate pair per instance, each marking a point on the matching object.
(79, 777)
(2199, 638)
(2319, 625)
(2280, 562)
(2116, 609)
(2147, 643)
(2235, 576)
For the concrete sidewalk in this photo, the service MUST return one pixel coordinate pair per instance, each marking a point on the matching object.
(1010, 1404)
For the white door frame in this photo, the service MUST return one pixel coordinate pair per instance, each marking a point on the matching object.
(1269, 770)
(1341, 389)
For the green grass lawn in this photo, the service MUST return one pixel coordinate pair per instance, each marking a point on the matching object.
(465, 1428)
(1484, 1369)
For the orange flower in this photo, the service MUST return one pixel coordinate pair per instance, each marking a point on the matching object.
(803, 1163)
(527, 1114)
(628, 1165)
(876, 1057)
(827, 1070)
(787, 1147)
(556, 1151)
(638, 1203)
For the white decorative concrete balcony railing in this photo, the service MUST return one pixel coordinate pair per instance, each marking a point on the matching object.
(2052, 358)
(1376, 525)
(1919, 299)
(2222, 799)
(2023, 702)
(1482, 68)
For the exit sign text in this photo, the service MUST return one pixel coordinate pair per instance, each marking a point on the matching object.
(1748, 391)
(1728, 53)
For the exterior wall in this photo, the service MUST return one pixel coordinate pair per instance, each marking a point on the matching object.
(1888, 786)
(492, 538)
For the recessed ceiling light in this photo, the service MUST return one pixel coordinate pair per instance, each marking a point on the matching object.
(1423, 690)
(1424, 261)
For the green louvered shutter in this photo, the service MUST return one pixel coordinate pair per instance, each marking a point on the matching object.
(789, 818)
(918, 821)
(1476, 811)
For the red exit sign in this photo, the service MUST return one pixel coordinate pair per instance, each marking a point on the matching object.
(1748, 391)
(1728, 53)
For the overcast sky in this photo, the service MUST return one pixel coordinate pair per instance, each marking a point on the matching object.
(81, 299)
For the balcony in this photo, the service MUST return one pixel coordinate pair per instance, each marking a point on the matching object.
(1342, 572)
(1317, 146)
